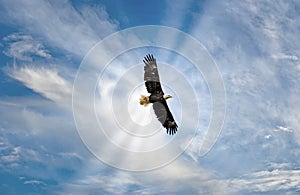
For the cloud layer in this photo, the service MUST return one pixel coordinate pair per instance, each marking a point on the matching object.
(256, 47)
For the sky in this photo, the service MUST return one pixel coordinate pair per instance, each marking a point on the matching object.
(71, 75)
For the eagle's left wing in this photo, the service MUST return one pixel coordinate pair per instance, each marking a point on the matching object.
(165, 116)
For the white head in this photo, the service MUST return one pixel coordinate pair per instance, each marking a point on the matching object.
(167, 96)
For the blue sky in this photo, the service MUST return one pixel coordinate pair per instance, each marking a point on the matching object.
(255, 45)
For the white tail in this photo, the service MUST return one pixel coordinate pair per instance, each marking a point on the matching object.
(144, 100)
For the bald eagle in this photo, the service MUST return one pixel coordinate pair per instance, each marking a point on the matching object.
(157, 97)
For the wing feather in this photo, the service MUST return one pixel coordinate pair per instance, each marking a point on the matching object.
(165, 116)
(151, 76)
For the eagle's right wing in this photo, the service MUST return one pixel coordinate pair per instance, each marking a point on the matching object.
(151, 76)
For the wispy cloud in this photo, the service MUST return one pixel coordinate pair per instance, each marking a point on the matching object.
(249, 60)
(68, 29)
(13, 156)
(38, 133)
(44, 81)
(34, 182)
(173, 178)
(24, 47)
(282, 128)
(266, 181)
(177, 13)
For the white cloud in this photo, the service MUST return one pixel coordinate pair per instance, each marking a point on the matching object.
(9, 158)
(117, 183)
(24, 47)
(34, 182)
(268, 136)
(255, 45)
(176, 13)
(38, 133)
(44, 81)
(172, 178)
(292, 117)
(265, 181)
(279, 166)
(60, 24)
(13, 156)
(282, 128)
(98, 19)
(283, 56)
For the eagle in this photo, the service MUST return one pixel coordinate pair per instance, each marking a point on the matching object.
(157, 97)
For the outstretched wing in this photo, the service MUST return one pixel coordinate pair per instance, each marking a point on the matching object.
(165, 116)
(151, 76)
